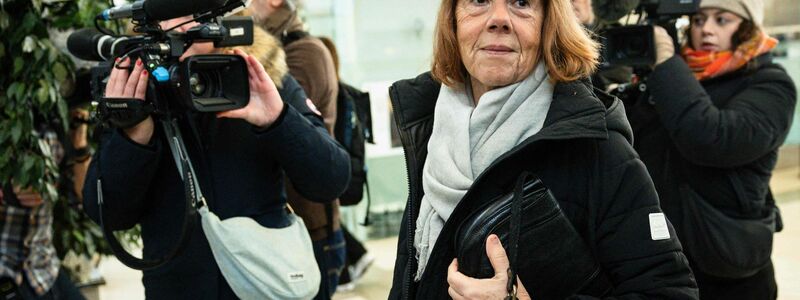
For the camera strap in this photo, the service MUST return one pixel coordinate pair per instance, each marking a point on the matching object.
(193, 200)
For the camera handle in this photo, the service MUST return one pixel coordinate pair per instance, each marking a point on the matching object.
(194, 200)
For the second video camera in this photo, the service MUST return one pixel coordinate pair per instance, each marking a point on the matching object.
(634, 45)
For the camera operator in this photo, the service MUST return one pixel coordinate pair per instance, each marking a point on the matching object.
(240, 157)
(709, 133)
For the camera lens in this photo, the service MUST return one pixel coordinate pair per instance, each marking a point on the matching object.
(198, 84)
(636, 47)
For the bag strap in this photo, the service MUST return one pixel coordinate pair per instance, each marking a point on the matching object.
(194, 197)
(513, 238)
(329, 217)
(367, 222)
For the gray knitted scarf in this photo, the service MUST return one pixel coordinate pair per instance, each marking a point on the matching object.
(466, 139)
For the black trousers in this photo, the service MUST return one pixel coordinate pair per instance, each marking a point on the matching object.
(355, 250)
(761, 286)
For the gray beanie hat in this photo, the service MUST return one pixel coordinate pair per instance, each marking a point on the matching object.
(752, 10)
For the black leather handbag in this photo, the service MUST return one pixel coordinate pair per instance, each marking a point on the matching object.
(545, 251)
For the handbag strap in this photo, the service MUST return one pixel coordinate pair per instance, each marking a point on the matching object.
(194, 197)
(513, 238)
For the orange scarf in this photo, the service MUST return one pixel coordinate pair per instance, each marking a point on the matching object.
(707, 65)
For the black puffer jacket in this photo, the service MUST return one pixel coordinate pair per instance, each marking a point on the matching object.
(584, 156)
(241, 171)
(718, 138)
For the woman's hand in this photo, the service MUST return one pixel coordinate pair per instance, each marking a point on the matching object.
(265, 103)
(121, 84)
(664, 47)
(27, 197)
(464, 287)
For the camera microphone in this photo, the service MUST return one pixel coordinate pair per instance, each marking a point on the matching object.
(90, 44)
(160, 9)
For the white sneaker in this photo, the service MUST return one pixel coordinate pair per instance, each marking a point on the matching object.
(360, 267)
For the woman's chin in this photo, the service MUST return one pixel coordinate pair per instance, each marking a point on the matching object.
(498, 78)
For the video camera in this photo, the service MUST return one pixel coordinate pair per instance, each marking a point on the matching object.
(202, 83)
(634, 45)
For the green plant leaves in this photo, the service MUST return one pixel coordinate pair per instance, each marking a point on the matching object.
(59, 71)
(16, 132)
(30, 89)
(19, 63)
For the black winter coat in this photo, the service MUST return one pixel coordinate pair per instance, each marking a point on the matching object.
(241, 171)
(584, 156)
(718, 138)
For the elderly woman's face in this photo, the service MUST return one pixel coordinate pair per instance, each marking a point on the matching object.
(499, 40)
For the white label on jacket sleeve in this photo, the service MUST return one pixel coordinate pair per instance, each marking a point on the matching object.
(658, 227)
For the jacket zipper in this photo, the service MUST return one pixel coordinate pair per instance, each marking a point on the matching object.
(410, 169)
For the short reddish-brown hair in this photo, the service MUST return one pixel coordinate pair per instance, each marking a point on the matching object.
(566, 46)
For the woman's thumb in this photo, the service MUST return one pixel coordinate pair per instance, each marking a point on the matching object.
(497, 256)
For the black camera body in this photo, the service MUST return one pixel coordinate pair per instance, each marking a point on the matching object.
(201, 83)
(634, 45)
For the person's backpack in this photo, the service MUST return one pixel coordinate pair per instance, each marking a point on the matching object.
(353, 129)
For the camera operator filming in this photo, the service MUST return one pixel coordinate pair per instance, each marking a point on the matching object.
(243, 138)
(708, 129)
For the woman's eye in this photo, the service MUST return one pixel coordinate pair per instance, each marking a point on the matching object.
(722, 21)
(521, 3)
(480, 2)
(698, 21)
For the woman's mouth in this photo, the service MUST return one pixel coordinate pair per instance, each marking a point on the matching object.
(497, 49)
(708, 47)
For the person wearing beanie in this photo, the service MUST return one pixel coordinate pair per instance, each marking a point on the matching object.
(708, 129)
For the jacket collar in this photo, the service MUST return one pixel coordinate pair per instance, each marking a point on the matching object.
(577, 111)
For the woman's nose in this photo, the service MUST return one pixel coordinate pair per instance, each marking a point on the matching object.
(708, 27)
(499, 20)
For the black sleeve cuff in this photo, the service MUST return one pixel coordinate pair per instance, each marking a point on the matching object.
(277, 123)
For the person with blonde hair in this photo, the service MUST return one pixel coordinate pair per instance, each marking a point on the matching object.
(508, 100)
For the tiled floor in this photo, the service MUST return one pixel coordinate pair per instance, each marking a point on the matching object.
(124, 283)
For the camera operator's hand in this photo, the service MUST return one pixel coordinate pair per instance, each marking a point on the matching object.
(133, 84)
(265, 103)
(664, 47)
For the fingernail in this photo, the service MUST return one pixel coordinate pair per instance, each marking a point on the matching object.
(139, 62)
(144, 72)
(493, 239)
(117, 59)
